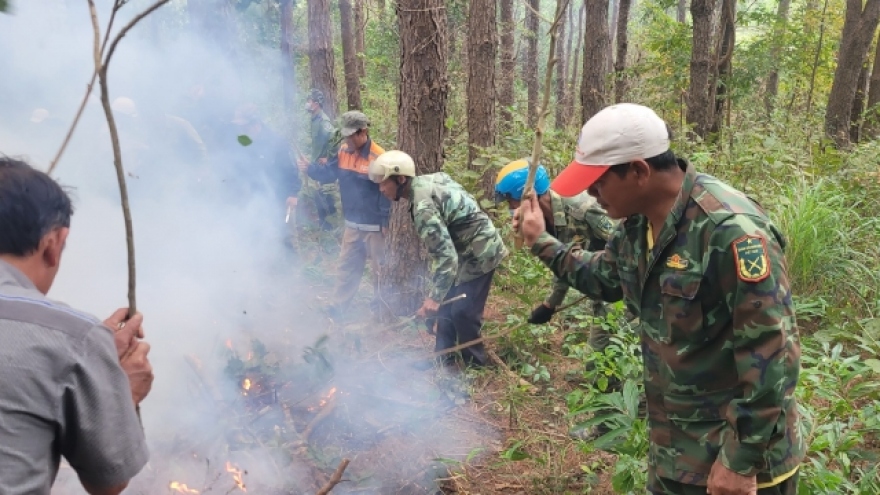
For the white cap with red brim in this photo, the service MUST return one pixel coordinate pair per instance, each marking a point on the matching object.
(617, 135)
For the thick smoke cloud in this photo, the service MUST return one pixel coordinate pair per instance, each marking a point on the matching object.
(211, 263)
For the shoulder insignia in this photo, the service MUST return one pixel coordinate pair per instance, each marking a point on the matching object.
(750, 255)
(605, 224)
(677, 262)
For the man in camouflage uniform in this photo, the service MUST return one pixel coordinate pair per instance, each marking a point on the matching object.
(464, 246)
(325, 144)
(703, 268)
(574, 220)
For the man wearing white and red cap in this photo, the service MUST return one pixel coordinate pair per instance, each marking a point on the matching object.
(703, 268)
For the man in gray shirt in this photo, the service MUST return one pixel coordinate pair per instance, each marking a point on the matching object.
(69, 384)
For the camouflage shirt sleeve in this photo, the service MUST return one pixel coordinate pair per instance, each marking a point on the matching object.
(560, 290)
(432, 230)
(594, 274)
(748, 261)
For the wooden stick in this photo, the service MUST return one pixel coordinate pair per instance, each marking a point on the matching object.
(328, 408)
(85, 100)
(335, 479)
(537, 147)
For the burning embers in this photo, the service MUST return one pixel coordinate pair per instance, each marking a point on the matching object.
(237, 479)
(181, 488)
(236, 476)
(323, 401)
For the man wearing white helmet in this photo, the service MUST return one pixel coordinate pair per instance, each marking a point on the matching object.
(464, 246)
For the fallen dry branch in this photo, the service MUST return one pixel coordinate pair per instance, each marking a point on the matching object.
(321, 416)
(335, 479)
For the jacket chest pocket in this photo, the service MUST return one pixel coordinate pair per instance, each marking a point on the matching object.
(681, 309)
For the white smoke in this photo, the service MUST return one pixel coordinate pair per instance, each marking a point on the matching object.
(211, 266)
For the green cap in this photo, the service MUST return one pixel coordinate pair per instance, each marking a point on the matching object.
(352, 122)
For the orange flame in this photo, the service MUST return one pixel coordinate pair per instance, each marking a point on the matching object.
(236, 475)
(181, 488)
(324, 400)
(246, 384)
(229, 344)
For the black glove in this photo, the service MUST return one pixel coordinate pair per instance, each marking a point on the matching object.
(541, 314)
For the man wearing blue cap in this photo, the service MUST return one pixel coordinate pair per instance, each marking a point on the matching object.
(575, 220)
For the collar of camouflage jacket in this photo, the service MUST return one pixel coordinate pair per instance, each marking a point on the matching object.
(637, 226)
(559, 218)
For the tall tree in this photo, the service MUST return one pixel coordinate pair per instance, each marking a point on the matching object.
(681, 11)
(858, 107)
(699, 111)
(321, 62)
(212, 20)
(622, 48)
(872, 117)
(719, 87)
(776, 43)
(421, 130)
(360, 27)
(614, 10)
(482, 41)
(349, 56)
(531, 75)
(570, 62)
(576, 57)
(858, 31)
(288, 75)
(595, 58)
(508, 61)
(561, 100)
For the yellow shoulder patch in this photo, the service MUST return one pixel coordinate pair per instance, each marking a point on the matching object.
(677, 262)
(750, 254)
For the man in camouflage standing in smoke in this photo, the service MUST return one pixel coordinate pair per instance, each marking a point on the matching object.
(460, 238)
(703, 268)
(325, 144)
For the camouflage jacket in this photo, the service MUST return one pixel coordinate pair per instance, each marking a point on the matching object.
(577, 220)
(460, 238)
(719, 338)
(322, 131)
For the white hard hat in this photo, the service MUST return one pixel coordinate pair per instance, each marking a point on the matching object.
(391, 163)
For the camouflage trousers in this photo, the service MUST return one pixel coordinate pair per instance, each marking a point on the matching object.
(665, 486)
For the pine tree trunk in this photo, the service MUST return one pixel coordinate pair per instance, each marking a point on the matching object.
(614, 9)
(681, 11)
(288, 66)
(724, 65)
(321, 62)
(561, 100)
(622, 48)
(775, 54)
(858, 108)
(349, 57)
(872, 116)
(595, 58)
(421, 131)
(531, 75)
(576, 58)
(858, 32)
(699, 111)
(482, 42)
(570, 62)
(360, 28)
(508, 62)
